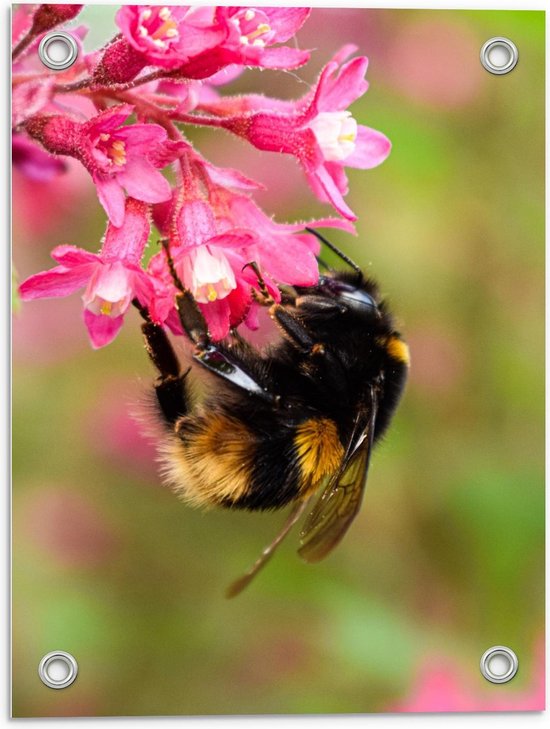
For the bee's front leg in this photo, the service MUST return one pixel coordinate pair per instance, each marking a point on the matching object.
(170, 389)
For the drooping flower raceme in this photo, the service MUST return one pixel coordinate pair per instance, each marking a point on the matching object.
(121, 111)
(318, 129)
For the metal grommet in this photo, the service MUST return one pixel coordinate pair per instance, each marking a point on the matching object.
(499, 55)
(58, 669)
(58, 50)
(499, 664)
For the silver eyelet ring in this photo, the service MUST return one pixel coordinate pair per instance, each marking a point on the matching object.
(499, 664)
(499, 56)
(58, 50)
(47, 672)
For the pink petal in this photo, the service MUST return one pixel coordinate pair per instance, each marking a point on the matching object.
(217, 317)
(282, 57)
(71, 256)
(111, 196)
(371, 149)
(233, 239)
(128, 241)
(111, 282)
(59, 281)
(198, 40)
(167, 152)
(339, 223)
(173, 322)
(101, 328)
(143, 287)
(227, 74)
(239, 301)
(195, 223)
(141, 138)
(286, 21)
(290, 262)
(109, 120)
(227, 177)
(336, 93)
(344, 53)
(338, 173)
(143, 181)
(252, 319)
(321, 181)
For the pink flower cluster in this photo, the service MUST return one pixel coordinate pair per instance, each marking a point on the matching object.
(123, 112)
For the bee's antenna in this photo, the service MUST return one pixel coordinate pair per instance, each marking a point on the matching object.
(335, 249)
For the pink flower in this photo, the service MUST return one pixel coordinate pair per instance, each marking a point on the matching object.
(112, 278)
(249, 33)
(319, 130)
(168, 35)
(118, 157)
(209, 263)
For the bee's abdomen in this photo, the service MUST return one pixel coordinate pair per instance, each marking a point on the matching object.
(217, 460)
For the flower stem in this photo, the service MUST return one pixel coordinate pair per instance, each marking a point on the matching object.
(197, 119)
(88, 81)
(23, 43)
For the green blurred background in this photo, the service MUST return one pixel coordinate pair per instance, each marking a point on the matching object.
(446, 556)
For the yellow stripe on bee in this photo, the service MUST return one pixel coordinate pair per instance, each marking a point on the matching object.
(398, 350)
(211, 460)
(319, 450)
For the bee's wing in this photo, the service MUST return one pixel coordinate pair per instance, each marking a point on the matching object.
(339, 503)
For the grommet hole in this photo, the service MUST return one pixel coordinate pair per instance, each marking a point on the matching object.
(499, 56)
(499, 664)
(58, 669)
(58, 50)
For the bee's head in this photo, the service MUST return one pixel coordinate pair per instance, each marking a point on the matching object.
(352, 291)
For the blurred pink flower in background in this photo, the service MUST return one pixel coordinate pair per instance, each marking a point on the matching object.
(66, 526)
(435, 63)
(442, 685)
(440, 358)
(39, 208)
(33, 162)
(50, 334)
(122, 438)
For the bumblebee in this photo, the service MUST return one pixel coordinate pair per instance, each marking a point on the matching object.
(287, 422)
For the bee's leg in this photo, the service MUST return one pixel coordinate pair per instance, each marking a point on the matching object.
(240, 341)
(170, 388)
(293, 328)
(238, 586)
(263, 298)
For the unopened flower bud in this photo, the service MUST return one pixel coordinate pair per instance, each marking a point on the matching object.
(48, 16)
(57, 134)
(119, 64)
